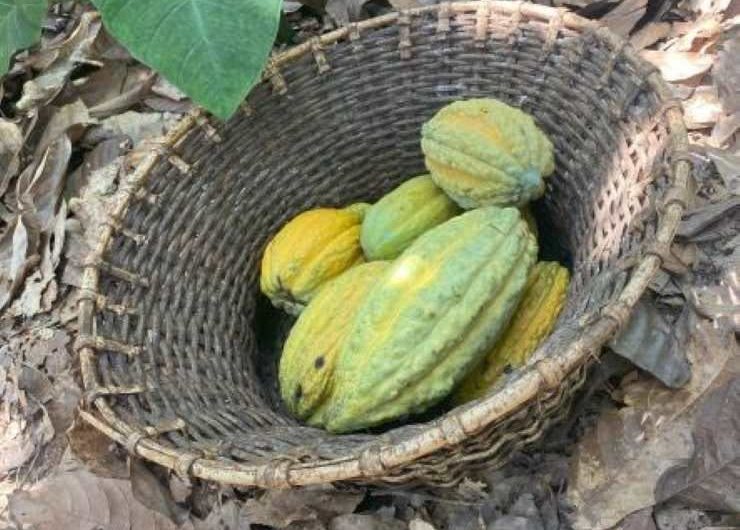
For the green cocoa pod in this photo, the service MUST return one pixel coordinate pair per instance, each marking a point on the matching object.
(485, 152)
(396, 220)
(431, 316)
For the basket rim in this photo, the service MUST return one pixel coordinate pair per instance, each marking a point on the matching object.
(535, 380)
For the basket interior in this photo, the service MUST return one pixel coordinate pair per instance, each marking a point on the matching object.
(210, 342)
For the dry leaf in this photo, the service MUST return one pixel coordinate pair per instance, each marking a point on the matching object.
(650, 34)
(725, 129)
(280, 508)
(703, 108)
(345, 11)
(227, 516)
(710, 7)
(164, 88)
(639, 520)
(137, 126)
(20, 439)
(17, 256)
(617, 464)
(405, 4)
(710, 480)
(152, 493)
(677, 66)
(35, 384)
(112, 89)
(698, 220)
(96, 451)
(39, 191)
(356, 521)
(103, 154)
(727, 71)
(697, 35)
(654, 345)
(71, 119)
(80, 500)
(728, 167)
(75, 50)
(160, 104)
(11, 142)
(720, 302)
(421, 524)
(623, 18)
(65, 400)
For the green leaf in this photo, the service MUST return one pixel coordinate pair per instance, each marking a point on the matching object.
(20, 27)
(213, 50)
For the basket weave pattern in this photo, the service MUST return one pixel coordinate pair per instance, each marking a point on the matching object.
(173, 360)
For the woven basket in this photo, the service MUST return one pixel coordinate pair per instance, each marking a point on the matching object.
(175, 357)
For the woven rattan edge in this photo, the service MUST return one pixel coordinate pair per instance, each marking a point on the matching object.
(526, 10)
(534, 381)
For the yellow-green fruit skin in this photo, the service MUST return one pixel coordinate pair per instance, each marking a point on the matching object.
(396, 220)
(311, 249)
(485, 152)
(433, 314)
(360, 208)
(533, 320)
(528, 217)
(309, 354)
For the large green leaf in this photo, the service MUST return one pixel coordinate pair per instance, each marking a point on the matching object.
(20, 26)
(213, 50)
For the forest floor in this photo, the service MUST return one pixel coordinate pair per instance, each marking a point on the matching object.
(78, 112)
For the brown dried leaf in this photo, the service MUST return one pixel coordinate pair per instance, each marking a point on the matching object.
(96, 451)
(65, 400)
(137, 126)
(358, 521)
(677, 66)
(728, 167)
(20, 438)
(623, 18)
(708, 7)
(727, 71)
(650, 34)
(160, 104)
(11, 142)
(697, 35)
(720, 302)
(617, 464)
(17, 256)
(71, 119)
(639, 520)
(405, 4)
(281, 508)
(345, 11)
(152, 493)
(700, 219)
(78, 499)
(703, 108)
(710, 479)
(39, 191)
(77, 49)
(138, 85)
(35, 384)
(725, 129)
(652, 344)
(164, 88)
(227, 516)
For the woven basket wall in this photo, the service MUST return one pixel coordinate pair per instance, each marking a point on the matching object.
(177, 355)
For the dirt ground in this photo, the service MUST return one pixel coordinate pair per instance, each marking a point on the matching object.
(76, 114)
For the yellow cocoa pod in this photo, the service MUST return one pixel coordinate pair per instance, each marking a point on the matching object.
(311, 249)
(533, 320)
